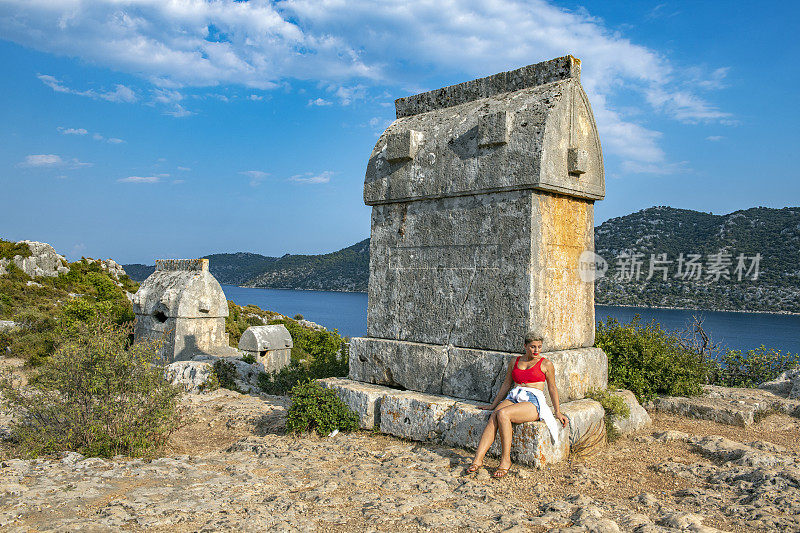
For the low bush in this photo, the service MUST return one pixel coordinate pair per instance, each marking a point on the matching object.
(225, 372)
(649, 361)
(281, 382)
(613, 405)
(96, 395)
(50, 302)
(240, 318)
(747, 369)
(315, 408)
(249, 359)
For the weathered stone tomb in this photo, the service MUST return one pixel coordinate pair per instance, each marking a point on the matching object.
(482, 200)
(270, 345)
(182, 303)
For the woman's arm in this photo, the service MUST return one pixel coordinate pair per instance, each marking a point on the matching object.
(550, 375)
(504, 388)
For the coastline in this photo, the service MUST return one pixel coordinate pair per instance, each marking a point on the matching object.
(747, 311)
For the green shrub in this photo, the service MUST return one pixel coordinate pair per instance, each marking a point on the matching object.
(97, 395)
(212, 383)
(281, 382)
(318, 409)
(9, 249)
(748, 369)
(250, 359)
(613, 405)
(225, 372)
(649, 361)
(316, 354)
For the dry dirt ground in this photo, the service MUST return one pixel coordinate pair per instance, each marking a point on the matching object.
(231, 467)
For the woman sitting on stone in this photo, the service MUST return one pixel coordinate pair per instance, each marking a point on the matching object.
(524, 403)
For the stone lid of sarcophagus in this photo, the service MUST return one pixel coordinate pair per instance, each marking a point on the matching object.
(530, 128)
(181, 288)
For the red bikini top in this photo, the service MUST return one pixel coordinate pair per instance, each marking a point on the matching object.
(533, 374)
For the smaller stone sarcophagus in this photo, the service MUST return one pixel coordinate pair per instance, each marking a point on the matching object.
(270, 345)
(184, 305)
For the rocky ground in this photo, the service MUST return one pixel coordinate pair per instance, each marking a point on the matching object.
(231, 467)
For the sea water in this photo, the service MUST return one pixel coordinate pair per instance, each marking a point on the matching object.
(347, 312)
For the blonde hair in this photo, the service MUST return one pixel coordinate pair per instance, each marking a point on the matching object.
(533, 335)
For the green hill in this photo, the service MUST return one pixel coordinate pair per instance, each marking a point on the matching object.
(772, 233)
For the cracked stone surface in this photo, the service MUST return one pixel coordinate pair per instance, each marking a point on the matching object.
(233, 468)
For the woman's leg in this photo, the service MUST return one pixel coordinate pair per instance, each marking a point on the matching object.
(487, 438)
(512, 414)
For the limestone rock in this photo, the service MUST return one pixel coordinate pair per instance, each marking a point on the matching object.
(728, 405)
(433, 418)
(247, 374)
(43, 261)
(364, 399)
(191, 375)
(786, 384)
(638, 418)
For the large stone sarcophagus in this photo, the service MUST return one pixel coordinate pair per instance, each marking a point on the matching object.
(482, 199)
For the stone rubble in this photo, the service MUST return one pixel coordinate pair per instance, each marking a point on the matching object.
(733, 406)
(786, 384)
(270, 481)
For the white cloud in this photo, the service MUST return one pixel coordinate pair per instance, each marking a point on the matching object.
(661, 168)
(50, 161)
(42, 160)
(81, 131)
(310, 177)
(72, 131)
(319, 102)
(178, 111)
(714, 138)
(140, 179)
(255, 97)
(121, 93)
(354, 46)
(348, 95)
(184, 169)
(256, 176)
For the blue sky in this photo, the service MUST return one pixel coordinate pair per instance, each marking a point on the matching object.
(138, 129)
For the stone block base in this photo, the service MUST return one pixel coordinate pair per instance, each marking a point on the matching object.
(455, 422)
(466, 373)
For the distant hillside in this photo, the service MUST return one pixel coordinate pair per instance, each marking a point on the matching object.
(238, 268)
(139, 272)
(345, 270)
(774, 233)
